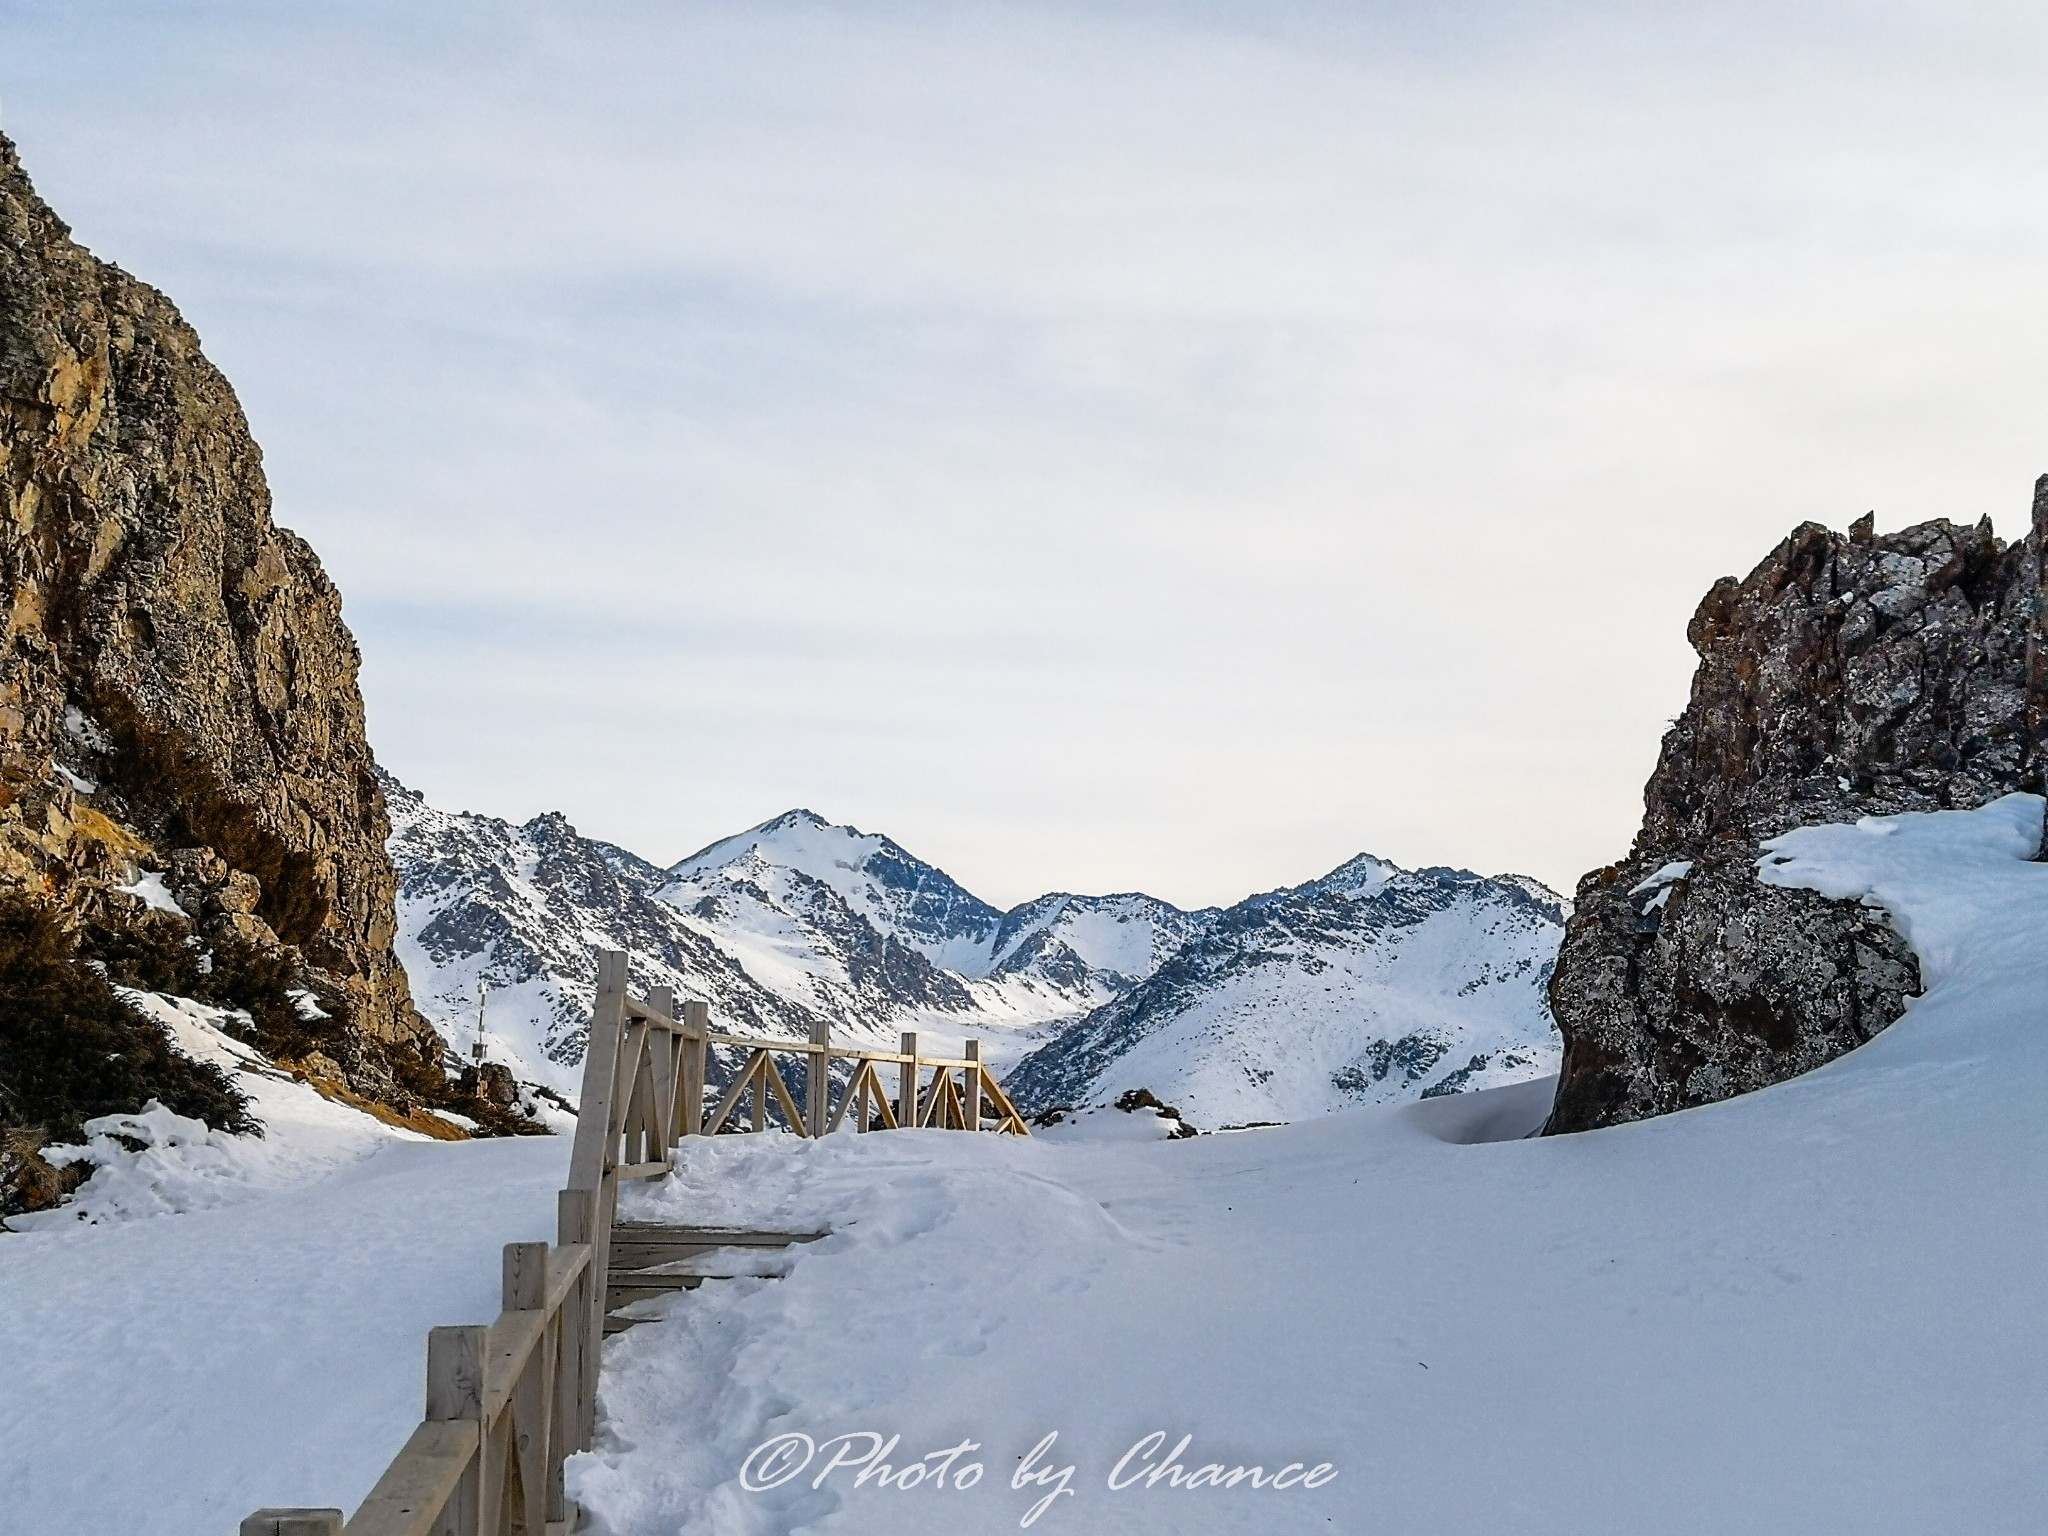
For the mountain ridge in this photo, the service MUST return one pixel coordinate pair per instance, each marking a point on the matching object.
(1203, 1031)
(798, 920)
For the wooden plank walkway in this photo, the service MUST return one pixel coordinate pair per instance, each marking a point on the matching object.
(652, 1259)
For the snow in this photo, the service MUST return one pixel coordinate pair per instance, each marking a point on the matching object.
(1372, 985)
(1122, 935)
(1668, 874)
(1104, 1123)
(216, 1323)
(1268, 1045)
(801, 840)
(150, 887)
(1361, 877)
(1814, 1308)
(184, 1166)
(1663, 882)
(307, 1003)
(81, 728)
(803, 843)
(166, 1377)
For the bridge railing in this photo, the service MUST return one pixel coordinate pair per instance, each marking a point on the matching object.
(510, 1402)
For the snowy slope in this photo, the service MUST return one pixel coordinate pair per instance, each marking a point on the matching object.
(167, 1377)
(858, 929)
(1817, 1308)
(525, 908)
(156, 1163)
(1370, 985)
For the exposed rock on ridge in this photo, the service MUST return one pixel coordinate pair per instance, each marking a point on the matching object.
(177, 689)
(1847, 676)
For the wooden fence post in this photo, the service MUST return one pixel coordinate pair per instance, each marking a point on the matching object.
(973, 1075)
(696, 1025)
(595, 1151)
(818, 1077)
(526, 1277)
(906, 1084)
(575, 1219)
(293, 1522)
(663, 1001)
(455, 1390)
(530, 1437)
(591, 1163)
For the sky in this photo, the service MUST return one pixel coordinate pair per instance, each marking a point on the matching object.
(1104, 447)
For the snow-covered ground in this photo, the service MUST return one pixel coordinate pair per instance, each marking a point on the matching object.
(1817, 1308)
(181, 1165)
(164, 1377)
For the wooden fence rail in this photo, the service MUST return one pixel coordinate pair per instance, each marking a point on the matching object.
(508, 1403)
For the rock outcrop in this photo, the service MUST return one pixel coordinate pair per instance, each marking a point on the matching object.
(1848, 675)
(179, 715)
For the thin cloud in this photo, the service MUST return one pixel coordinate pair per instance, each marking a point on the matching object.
(1163, 447)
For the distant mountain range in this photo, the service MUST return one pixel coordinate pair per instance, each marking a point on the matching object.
(1369, 984)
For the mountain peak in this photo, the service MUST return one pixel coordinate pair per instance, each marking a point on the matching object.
(1361, 875)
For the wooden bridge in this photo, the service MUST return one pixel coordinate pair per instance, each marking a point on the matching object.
(508, 1403)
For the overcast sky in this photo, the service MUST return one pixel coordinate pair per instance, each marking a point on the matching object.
(1103, 447)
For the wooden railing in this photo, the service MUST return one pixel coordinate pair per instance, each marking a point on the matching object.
(507, 1404)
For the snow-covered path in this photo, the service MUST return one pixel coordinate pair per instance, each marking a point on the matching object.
(164, 1377)
(1820, 1308)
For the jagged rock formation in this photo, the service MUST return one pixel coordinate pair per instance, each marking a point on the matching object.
(180, 725)
(1371, 985)
(1848, 675)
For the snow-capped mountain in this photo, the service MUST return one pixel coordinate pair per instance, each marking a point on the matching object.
(525, 908)
(849, 923)
(1369, 985)
(793, 920)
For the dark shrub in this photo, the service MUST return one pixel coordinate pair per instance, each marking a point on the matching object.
(72, 1050)
(157, 953)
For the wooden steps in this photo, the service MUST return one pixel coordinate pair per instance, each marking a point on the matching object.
(650, 1259)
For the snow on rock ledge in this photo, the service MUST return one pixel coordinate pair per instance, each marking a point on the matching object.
(1959, 885)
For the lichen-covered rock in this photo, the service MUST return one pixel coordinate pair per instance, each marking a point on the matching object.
(1847, 676)
(177, 689)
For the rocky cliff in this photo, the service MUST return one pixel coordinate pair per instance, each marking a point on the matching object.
(180, 726)
(1848, 675)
